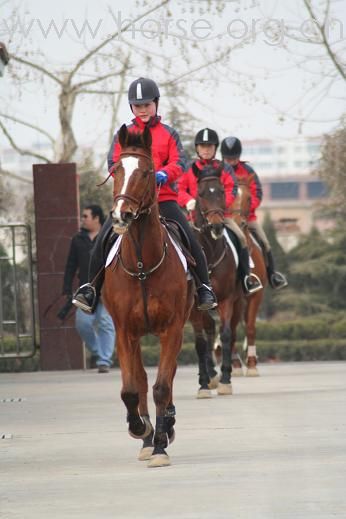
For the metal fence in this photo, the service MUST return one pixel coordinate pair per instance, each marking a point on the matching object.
(17, 305)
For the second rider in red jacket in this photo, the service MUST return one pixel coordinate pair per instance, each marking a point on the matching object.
(206, 144)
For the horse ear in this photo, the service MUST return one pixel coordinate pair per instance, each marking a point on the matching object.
(146, 138)
(123, 136)
(196, 170)
(218, 172)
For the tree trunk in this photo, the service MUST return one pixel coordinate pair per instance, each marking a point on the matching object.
(66, 143)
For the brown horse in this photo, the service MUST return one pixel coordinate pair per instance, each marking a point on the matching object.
(209, 226)
(146, 290)
(240, 212)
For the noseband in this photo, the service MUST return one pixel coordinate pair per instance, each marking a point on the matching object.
(141, 209)
(206, 213)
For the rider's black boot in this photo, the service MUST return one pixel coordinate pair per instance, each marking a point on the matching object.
(275, 278)
(250, 281)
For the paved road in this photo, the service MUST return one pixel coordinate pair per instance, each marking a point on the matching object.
(275, 449)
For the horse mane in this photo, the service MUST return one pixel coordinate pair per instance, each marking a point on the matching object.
(209, 171)
(135, 140)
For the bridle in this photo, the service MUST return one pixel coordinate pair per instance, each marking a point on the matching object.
(217, 211)
(141, 274)
(206, 225)
(141, 209)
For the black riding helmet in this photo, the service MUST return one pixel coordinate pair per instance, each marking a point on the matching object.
(143, 91)
(207, 136)
(231, 148)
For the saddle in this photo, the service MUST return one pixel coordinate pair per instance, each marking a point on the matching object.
(180, 237)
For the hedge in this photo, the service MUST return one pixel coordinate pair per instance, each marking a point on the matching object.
(320, 337)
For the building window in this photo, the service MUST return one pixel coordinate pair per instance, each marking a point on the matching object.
(317, 189)
(284, 190)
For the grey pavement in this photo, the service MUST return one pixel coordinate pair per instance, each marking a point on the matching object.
(274, 449)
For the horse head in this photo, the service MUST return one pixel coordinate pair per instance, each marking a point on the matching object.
(134, 179)
(242, 203)
(210, 199)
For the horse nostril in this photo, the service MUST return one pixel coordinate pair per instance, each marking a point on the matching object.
(127, 217)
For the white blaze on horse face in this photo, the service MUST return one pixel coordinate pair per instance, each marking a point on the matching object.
(129, 164)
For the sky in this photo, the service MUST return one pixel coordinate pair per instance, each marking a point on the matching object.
(269, 81)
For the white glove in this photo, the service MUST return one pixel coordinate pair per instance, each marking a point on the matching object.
(190, 206)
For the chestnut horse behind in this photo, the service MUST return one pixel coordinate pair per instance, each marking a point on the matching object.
(240, 212)
(146, 290)
(209, 226)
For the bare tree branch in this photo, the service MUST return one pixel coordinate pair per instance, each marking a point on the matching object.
(321, 29)
(82, 84)
(100, 92)
(36, 67)
(22, 151)
(6, 173)
(96, 49)
(33, 126)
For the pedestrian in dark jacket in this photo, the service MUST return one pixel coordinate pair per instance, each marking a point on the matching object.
(97, 329)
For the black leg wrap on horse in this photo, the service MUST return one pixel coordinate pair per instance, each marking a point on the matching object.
(136, 425)
(148, 440)
(202, 353)
(226, 367)
(160, 436)
(170, 420)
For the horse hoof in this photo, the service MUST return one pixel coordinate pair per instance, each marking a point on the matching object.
(237, 372)
(145, 453)
(224, 389)
(251, 372)
(204, 393)
(214, 382)
(159, 460)
(148, 430)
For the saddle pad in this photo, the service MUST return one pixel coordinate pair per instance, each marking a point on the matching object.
(179, 252)
(232, 247)
(113, 252)
(234, 251)
(115, 248)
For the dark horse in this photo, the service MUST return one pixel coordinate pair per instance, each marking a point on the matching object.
(209, 226)
(240, 212)
(146, 290)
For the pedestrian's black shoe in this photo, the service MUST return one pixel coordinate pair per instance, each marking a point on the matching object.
(206, 298)
(103, 369)
(252, 284)
(85, 298)
(278, 281)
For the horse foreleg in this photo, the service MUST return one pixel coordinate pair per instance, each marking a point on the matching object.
(171, 341)
(142, 380)
(224, 387)
(250, 321)
(138, 427)
(237, 366)
(196, 319)
(209, 327)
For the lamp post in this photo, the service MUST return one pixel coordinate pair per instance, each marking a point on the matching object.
(4, 58)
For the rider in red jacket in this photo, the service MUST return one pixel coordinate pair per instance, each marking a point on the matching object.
(169, 162)
(231, 149)
(206, 144)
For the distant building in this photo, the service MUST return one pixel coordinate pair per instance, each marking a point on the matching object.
(291, 192)
(283, 157)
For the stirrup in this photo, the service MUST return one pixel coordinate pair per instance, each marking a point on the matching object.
(254, 289)
(282, 281)
(78, 297)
